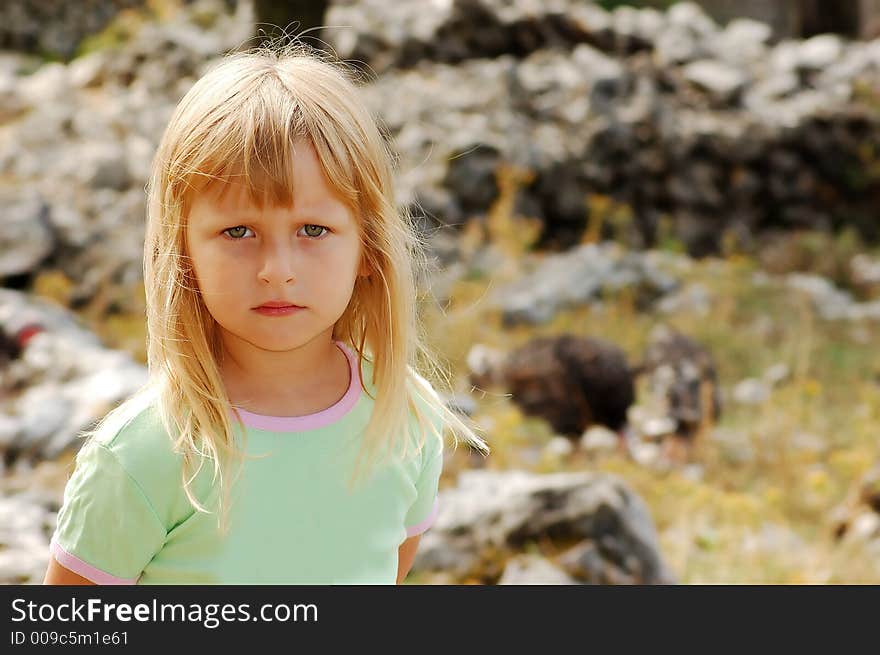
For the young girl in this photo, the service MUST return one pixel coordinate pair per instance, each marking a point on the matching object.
(283, 340)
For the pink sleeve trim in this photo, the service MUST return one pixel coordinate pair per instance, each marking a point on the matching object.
(427, 523)
(76, 565)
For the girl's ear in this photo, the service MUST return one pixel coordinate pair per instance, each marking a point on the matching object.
(364, 270)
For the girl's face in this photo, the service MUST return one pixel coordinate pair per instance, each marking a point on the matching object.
(308, 254)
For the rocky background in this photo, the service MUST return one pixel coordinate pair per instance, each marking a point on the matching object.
(624, 143)
(711, 134)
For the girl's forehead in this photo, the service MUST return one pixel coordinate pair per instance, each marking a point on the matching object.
(300, 182)
(233, 198)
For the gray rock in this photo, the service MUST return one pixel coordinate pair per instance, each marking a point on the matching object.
(768, 90)
(18, 309)
(658, 426)
(646, 454)
(866, 528)
(829, 301)
(48, 84)
(25, 530)
(865, 269)
(575, 278)
(585, 563)
(692, 298)
(97, 119)
(11, 101)
(857, 59)
(485, 365)
(635, 29)
(63, 381)
(71, 386)
(598, 438)
(139, 152)
(743, 41)
(678, 45)
(89, 70)
(533, 570)
(8, 431)
(606, 78)
(402, 36)
(785, 56)
(777, 373)
(42, 411)
(691, 16)
(723, 81)
(558, 447)
(751, 391)
(515, 507)
(649, 24)
(27, 238)
(103, 165)
(686, 36)
(820, 51)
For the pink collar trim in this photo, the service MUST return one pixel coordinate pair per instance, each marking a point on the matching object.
(311, 421)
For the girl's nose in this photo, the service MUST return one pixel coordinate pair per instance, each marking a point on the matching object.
(277, 265)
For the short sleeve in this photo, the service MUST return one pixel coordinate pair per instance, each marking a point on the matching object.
(107, 530)
(423, 512)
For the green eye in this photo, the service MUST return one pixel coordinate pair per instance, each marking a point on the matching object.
(237, 233)
(235, 229)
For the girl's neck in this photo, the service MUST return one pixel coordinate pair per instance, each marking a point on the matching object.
(310, 383)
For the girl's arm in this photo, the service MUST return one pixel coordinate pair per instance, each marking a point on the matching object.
(59, 575)
(406, 553)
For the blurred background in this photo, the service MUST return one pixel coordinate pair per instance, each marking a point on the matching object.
(656, 273)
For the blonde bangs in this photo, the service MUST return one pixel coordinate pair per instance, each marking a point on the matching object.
(249, 139)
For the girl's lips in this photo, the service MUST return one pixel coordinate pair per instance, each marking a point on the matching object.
(277, 311)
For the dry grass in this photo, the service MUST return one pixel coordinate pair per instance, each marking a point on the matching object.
(762, 518)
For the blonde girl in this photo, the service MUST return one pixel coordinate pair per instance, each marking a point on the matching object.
(285, 435)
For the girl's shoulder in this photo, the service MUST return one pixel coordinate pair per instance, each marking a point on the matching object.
(134, 435)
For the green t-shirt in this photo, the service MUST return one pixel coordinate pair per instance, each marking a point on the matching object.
(125, 518)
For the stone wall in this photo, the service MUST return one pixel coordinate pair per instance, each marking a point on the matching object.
(783, 17)
(55, 27)
(706, 133)
(803, 18)
(652, 125)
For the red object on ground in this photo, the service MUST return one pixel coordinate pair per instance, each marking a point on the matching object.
(27, 332)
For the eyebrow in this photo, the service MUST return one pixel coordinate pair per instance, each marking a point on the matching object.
(311, 217)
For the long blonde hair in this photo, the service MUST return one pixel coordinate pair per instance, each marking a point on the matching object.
(240, 119)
